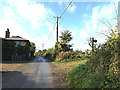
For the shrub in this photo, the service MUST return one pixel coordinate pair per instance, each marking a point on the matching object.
(65, 55)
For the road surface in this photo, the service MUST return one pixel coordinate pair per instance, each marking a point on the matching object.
(35, 74)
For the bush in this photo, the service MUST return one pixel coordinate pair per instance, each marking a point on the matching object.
(50, 54)
(65, 55)
(81, 77)
(98, 72)
(47, 55)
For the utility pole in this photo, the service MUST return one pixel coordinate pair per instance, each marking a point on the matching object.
(57, 28)
(42, 46)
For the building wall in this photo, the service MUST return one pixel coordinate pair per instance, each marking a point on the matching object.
(0, 50)
(12, 50)
(0, 63)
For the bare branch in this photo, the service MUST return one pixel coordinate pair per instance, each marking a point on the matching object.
(105, 24)
(116, 10)
(109, 23)
(104, 34)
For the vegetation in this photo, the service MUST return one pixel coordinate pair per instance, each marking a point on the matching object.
(10, 49)
(62, 51)
(62, 46)
(32, 48)
(101, 71)
(103, 68)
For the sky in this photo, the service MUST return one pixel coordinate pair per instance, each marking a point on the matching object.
(34, 20)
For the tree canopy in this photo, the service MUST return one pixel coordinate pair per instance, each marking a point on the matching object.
(64, 45)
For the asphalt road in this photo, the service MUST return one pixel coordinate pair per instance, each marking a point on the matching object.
(35, 74)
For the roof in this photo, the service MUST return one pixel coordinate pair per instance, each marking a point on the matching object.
(16, 38)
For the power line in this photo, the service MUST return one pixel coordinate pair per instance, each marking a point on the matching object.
(66, 9)
(51, 33)
(57, 21)
(60, 17)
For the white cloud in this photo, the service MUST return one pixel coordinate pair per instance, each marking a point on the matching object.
(103, 12)
(83, 34)
(49, 25)
(82, 46)
(92, 25)
(85, 15)
(19, 11)
(72, 9)
(45, 37)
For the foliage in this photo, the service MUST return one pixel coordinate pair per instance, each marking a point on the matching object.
(8, 49)
(89, 76)
(23, 50)
(39, 53)
(71, 60)
(102, 69)
(70, 56)
(65, 55)
(32, 48)
(63, 45)
(66, 36)
(50, 54)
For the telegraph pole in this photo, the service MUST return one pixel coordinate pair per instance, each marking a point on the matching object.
(57, 28)
(42, 46)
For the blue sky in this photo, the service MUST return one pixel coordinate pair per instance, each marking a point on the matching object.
(34, 20)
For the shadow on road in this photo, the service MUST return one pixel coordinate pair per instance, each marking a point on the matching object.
(16, 79)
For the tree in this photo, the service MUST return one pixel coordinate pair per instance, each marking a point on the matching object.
(63, 45)
(92, 44)
(114, 43)
(66, 36)
(32, 48)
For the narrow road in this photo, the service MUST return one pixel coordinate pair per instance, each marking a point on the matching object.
(35, 74)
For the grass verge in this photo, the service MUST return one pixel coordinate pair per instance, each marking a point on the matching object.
(81, 77)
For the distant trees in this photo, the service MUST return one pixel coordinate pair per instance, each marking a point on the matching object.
(32, 48)
(60, 46)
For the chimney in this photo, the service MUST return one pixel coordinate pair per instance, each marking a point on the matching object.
(7, 35)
